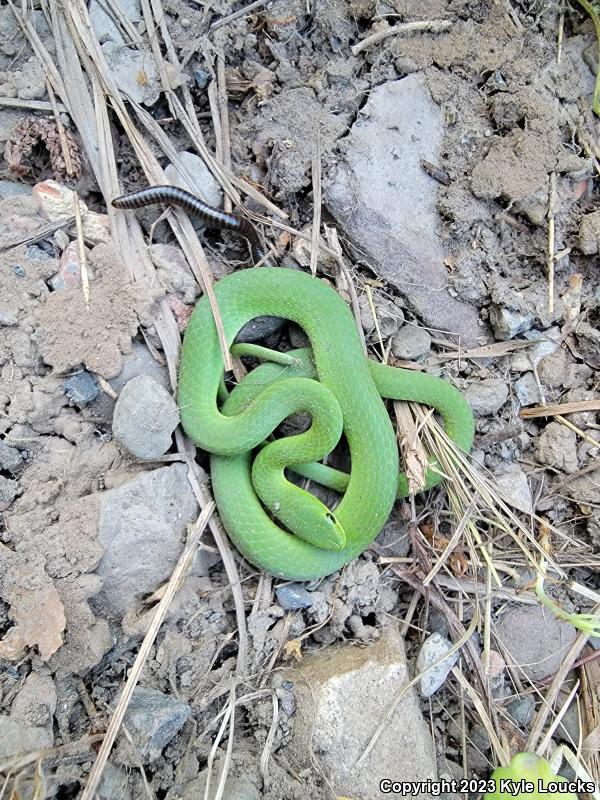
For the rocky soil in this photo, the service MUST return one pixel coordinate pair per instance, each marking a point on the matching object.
(459, 167)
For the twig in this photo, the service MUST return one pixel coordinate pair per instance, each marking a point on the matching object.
(431, 25)
(175, 581)
(35, 105)
(64, 146)
(42, 233)
(316, 221)
(85, 281)
(560, 408)
(223, 106)
(475, 699)
(237, 14)
(551, 247)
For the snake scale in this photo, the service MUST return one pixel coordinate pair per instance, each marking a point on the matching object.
(275, 524)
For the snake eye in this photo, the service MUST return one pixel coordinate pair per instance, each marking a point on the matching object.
(331, 518)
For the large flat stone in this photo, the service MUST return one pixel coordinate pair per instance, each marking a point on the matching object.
(343, 694)
(386, 203)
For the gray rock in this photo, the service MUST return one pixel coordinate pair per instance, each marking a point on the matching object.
(114, 784)
(8, 319)
(569, 729)
(36, 702)
(554, 368)
(9, 489)
(293, 595)
(10, 188)
(386, 203)
(487, 397)
(141, 362)
(127, 65)
(394, 539)
(508, 323)
(10, 458)
(81, 388)
(557, 447)
(17, 738)
(411, 343)
(513, 480)
(145, 417)
(534, 640)
(141, 526)
(193, 174)
(521, 710)
(589, 233)
(433, 648)
(260, 327)
(527, 390)
(103, 24)
(549, 341)
(343, 694)
(242, 788)
(152, 720)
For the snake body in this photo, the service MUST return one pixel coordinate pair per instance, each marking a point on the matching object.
(273, 523)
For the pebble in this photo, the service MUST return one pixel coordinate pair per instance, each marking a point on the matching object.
(411, 343)
(534, 640)
(259, 327)
(17, 738)
(193, 174)
(8, 319)
(433, 648)
(507, 323)
(114, 784)
(394, 539)
(292, 596)
(36, 702)
(152, 720)
(557, 447)
(69, 273)
(9, 489)
(589, 233)
(553, 368)
(527, 390)
(37, 252)
(10, 458)
(145, 417)
(81, 388)
(127, 66)
(487, 397)
(10, 188)
(549, 341)
(141, 526)
(140, 361)
(202, 78)
(513, 480)
(521, 710)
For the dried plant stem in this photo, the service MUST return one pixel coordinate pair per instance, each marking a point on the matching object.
(430, 25)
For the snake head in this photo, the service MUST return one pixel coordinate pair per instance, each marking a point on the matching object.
(332, 535)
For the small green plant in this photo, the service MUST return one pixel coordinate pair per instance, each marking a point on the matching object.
(529, 777)
(591, 11)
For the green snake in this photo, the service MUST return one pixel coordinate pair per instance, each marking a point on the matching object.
(276, 525)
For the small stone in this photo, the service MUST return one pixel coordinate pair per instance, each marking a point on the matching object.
(569, 730)
(9, 489)
(10, 458)
(134, 73)
(152, 720)
(37, 252)
(140, 362)
(487, 397)
(394, 539)
(242, 788)
(192, 174)
(433, 648)
(202, 78)
(293, 595)
(36, 702)
(549, 341)
(513, 480)
(553, 368)
(9, 188)
(114, 784)
(534, 640)
(557, 447)
(521, 710)
(411, 343)
(259, 327)
(8, 319)
(527, 390)
(69, 273)
(145, 417)
(507, 323)
(141, 526)
(18, 739)
(589, 233)
(81, 388)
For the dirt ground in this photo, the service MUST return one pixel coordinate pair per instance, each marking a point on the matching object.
(480, 267)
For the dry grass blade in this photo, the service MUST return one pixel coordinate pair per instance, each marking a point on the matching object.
(486, 351)
(316, 222)
(560, 408)
(175, 581)
(501, 753)
(431, 25)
